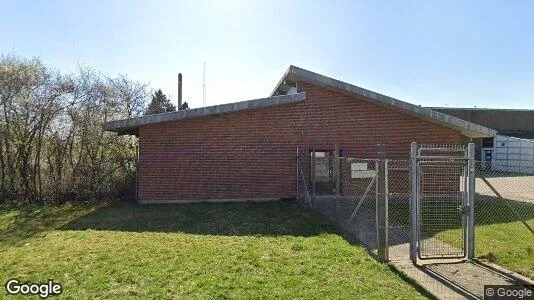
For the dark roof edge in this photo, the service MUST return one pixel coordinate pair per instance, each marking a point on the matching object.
(467, 128)
(127, 125)
(483, 109)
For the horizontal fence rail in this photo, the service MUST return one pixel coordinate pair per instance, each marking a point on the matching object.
(346, 192)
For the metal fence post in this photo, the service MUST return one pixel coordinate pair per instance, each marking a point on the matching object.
(471, 200)
(136, 162)
(337, 178)
(313, 175)
(413, 203)
(382, 209)
(297, 192)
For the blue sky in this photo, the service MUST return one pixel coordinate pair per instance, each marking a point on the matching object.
(431, 53)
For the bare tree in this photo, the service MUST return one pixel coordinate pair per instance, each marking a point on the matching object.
(52, 144)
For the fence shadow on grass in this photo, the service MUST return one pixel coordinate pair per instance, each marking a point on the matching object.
(489, 210)
(278, 218)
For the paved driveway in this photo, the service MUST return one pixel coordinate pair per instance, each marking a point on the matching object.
(519, 188)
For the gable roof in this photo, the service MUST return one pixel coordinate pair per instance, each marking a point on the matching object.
(131, 126)
(280, 96)
(295, 74)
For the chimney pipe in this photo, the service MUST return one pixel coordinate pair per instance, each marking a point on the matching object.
(179, 90)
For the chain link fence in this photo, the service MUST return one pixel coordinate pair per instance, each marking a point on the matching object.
(346, 197)
(399, 192)
(504, 215)
(346, 190)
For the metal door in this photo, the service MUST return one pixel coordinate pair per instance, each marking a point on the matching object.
(322, 170)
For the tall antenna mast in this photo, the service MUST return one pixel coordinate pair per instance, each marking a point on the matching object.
(204, 84)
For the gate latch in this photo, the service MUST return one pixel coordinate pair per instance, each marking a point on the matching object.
(463, 209)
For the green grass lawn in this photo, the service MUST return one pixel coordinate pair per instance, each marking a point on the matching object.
(238, 250)
(500, 237)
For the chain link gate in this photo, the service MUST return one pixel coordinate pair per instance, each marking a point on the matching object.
(442, 201)
(357, 193)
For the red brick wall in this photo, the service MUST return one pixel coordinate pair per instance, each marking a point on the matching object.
(251, 154)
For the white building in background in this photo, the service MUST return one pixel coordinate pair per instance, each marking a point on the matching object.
(510, 154)
(512, 149)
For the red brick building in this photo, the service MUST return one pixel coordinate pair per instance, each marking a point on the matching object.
(247, 150)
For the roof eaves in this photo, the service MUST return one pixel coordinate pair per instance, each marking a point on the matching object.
(280, 82)
(129, 125)
(467, 128)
